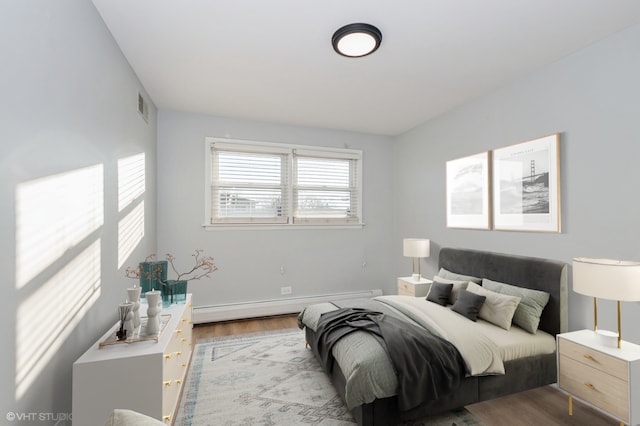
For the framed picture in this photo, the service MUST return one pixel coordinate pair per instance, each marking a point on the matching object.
(468, 192)
(526, 186)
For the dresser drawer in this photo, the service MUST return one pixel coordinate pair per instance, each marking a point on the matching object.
(595, 386)
(592, 358)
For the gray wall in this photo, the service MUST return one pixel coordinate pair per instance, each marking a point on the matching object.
(315, 261)
(591, 98)
(67, 115)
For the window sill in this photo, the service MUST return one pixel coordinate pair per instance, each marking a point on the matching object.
(273, 226)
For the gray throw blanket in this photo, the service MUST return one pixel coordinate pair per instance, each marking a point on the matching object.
(428, 367)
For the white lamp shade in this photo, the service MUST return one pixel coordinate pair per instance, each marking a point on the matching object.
(415, 247)
(607, 279)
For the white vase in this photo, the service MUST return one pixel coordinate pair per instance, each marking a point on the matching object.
(134, 298)
(153, 320)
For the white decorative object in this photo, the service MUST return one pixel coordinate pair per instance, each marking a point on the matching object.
(153, 321)
(415, 248)
(607, 279)
(128, 319)
(134, 298)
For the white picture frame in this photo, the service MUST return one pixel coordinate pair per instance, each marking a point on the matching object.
(467, 191)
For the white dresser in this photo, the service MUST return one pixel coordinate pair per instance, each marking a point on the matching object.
(606, 377)
(145, 376)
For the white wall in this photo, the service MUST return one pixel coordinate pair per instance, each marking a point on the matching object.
(67, 115)
(315, 261)
(591, 98)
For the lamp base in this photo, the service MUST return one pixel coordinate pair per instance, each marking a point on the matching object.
(416, 277)
(607, 338)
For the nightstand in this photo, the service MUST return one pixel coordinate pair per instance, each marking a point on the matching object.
(409, 286)
(605, 377)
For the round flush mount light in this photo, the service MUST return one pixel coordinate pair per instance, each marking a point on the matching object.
(356, 40)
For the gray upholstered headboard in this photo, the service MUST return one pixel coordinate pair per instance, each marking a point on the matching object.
(529, 272)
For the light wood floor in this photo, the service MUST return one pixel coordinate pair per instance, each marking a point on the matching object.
(542, 406)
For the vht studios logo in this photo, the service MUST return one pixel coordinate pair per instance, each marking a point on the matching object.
(39, 417)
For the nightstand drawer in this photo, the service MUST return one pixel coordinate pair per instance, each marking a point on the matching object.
(595, 386)
(595, 359)
(405, 289)
(412, 287)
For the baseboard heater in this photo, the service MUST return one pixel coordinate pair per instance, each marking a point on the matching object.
(291, 305)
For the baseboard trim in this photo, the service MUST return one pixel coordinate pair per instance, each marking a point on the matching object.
(234, 311)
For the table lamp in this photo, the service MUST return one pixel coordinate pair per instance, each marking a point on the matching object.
(415, 248)
(607, 279)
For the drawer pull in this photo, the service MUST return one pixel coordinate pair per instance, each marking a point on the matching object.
(166, 418)
(179, 331)
(178, 353)
(184, 339)
(590, 385)
(167, 356)
(178, 381)
(589, 357)
(167, 383)
(184, 364)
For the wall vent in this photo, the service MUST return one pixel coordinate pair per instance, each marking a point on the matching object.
(143, 107)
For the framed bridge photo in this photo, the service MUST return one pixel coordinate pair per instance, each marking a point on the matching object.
(526, 186)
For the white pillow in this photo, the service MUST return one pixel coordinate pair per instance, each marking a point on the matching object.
(497, 308)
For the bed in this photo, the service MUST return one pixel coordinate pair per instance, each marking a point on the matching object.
(370, 372)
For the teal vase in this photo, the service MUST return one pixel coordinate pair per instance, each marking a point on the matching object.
(152, 274)
(173, 291)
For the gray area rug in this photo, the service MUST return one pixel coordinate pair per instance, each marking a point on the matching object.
(268, 379)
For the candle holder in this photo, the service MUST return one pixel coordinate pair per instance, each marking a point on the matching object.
(155, 307)
(134, 297)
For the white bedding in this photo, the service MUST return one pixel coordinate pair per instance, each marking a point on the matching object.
(510, 344)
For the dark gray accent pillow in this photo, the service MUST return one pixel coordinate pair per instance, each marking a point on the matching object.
(439, 293)
(468, 304)
(458, 277)
(529, 310)
(457, 285)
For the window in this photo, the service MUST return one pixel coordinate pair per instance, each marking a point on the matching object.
(254, 183)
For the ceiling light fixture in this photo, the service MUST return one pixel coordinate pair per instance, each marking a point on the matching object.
(356, 40)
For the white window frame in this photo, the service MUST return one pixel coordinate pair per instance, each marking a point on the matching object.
(288, 221)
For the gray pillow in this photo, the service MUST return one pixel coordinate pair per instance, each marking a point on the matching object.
(457, 286)
(468, 304)
(498, 308)
(439, 293)
(532, 303)
(458, 277)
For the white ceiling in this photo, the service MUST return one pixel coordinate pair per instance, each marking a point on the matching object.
(272, 60)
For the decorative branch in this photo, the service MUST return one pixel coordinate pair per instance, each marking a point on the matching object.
(203, 267)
